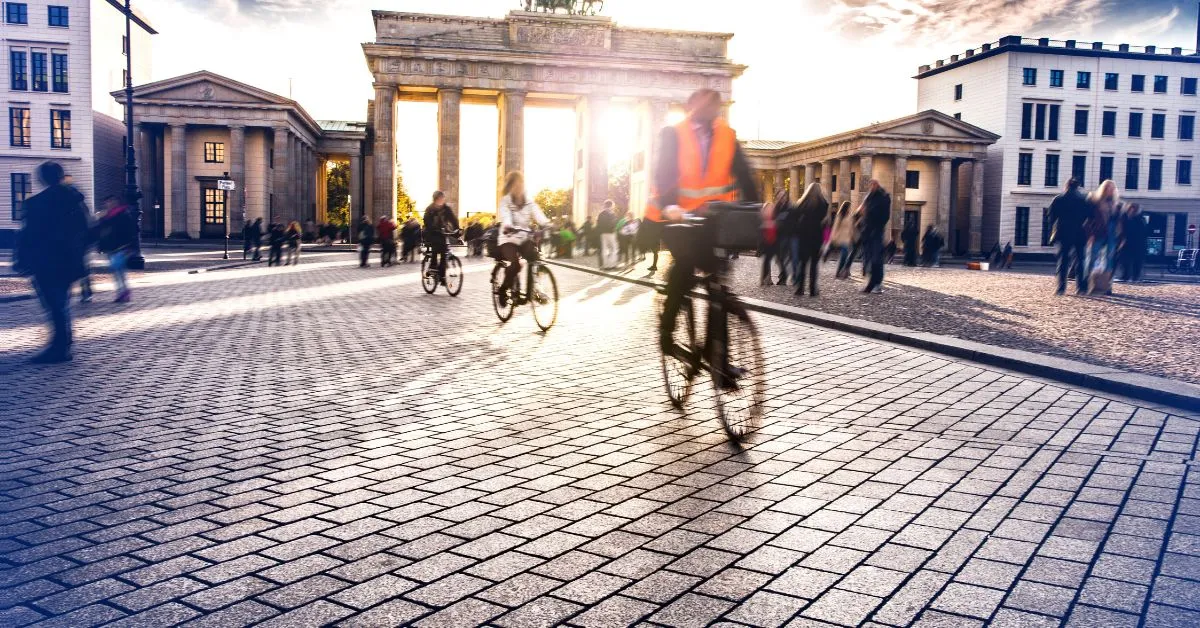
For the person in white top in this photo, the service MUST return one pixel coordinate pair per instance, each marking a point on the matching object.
(515, 213)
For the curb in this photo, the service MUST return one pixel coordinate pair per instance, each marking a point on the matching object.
(1150, 388)
(231, 265)
(13, 298)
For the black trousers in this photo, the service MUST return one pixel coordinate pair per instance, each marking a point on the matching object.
(55, 297)
(275, 255)
(364, 253)
(439, 250)
(808, 263)
(513, 253)
(691, 246)
(387, 252)
(873, 259)
(1072, 254)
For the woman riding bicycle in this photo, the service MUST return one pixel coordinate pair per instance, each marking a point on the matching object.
(518, 216)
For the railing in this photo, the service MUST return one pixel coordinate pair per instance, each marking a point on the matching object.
(1046, 42)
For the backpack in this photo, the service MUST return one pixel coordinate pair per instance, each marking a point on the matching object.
(491, 241)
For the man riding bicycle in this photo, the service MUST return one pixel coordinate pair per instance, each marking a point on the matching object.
(699, 162)
(440, 219)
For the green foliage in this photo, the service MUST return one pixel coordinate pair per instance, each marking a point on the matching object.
(556, 203)
(618, 186)
(406, 207)
(338, 195)
(478, 217)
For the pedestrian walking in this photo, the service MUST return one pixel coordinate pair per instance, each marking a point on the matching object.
(116, 237)
(293, 236)
(51, 249)
(931, 247)
(276, 238)
(772, 242)
(256, 236)
(841, 239)
(1103, 203)
(809, 232)
(385, 232)
(876, 211)
(1008, 255)
(627, 238)
(410, 238)
(606, 226)
(366, 237)
(908, 237)
(586, 233)
(1069, 212)
(247, 239)
(1135, 233)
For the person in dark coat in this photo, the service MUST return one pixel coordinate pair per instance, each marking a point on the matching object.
(1133, 247)
(440, 219)
(256, 236)
(809, 236)
(909, 237)
(366, 238)
(1068, 213)
(116, 236)
(876, 211)
(276, 238)
(774, 242)
(51, 249)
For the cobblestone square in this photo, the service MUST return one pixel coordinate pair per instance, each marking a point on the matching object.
(327, 445)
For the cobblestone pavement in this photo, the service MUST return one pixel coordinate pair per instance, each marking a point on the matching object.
(324, 445)
(1148, 328)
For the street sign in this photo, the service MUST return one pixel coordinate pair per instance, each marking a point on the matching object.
(1192, 229)
(226, 184)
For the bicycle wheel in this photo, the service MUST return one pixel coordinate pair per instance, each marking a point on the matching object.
(679, 369)
(454, 275)
(739, 377)
(504, 312)
(428, 276)
(545, 297)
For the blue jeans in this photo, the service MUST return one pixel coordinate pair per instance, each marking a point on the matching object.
(117, 262)
(56, 300)
(843, 260)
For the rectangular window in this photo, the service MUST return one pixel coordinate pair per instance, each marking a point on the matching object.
(1052, 132)
(1111, 81)
(1155, 174)
(1029, 76)
(1106, 168)
(1131, 173)
(1027, 121)
(1108, 124)
(1083, 80)
(271, 159)
(1135, 124)
(58, 63)
(1025, 169)
(1051, 170)
(1137, 83)
(1187, 86)
(18, 70)
(1021, 237)
(60, 128)
(1158, 125)
(1179, 236)
(60, 16)
(912, 179)
(18, 127)
(1081, 121)
(1039, 129)
(1160, 84)
(16, 12)
(22, 185)
(833, 183)
(1079, 168)
(1187, 127)
(1056, 78)
(958, 92)
(38, 62)
(1045, 226)
(214, 152)
(958, 116)
(1183, 172)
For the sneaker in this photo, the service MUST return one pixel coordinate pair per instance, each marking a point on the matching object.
(123, 297)
(1060, 292)
(503, 298)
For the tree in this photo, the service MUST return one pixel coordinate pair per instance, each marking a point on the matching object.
(337, 195)
(556, 203)
(618, 186)
(406, 207)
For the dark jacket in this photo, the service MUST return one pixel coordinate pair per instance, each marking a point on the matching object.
(1136, 232)
(276, 236)
(666, 171)
(606, 222)
(878, 211)
(116, 230)
(366, 233)
(438, 220)
(809, 220)
(54, 238)
(1068, 212)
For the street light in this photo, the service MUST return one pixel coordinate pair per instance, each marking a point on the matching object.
(132, 195)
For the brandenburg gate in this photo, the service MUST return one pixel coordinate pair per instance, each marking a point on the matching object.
(533, 59)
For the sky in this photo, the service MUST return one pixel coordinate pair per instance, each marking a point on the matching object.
(816, 67)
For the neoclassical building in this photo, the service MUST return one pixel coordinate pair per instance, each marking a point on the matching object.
(932, 164)
(197, 129)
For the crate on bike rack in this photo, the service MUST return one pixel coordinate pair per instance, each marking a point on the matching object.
(738, 225)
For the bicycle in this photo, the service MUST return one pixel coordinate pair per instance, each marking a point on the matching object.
(453, 279)
(731, 354)
(541, 290)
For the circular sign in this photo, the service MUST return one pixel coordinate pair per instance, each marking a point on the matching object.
(1191, 228)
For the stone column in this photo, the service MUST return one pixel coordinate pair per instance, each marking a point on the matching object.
(795, 188)
(236, 201)
(944, 196)
(145, 175)
(179, 186)
(976, 215)
(843, 191)
(356, 189)
(810, 177)
(281, 179)
(310, 183)
(866, 168)
(899, 189)
(449, 102)
(322, 190)
(510, 153)
(384, 186)
(827, 178)
(780, 175)
(597, 175)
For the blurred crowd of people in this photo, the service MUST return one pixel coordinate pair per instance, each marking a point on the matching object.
(1097, 234)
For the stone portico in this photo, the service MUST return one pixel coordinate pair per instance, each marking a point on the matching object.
(526, 59)
(931, 163)
(196, 129)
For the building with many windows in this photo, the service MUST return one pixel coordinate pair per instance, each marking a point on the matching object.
(60, 59)
(1068, 108)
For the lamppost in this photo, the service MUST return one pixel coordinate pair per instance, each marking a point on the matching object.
(132, 195)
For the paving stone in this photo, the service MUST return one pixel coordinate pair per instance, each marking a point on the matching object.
(733, 584)
(766, 609)
(544, 611)
(1040, 598)
(842, 608)
(391, 613)
(872, 581)
(615, 612)
(692, 610)
(661, 587)
(972, 601)
(465, 613)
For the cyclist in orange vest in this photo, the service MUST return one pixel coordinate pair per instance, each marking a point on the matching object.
(699, 161)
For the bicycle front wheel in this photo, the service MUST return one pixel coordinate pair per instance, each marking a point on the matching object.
(429, 279)
(679, 364)
(739, 377)
(505, 311)
(545, 297)
(454, 275)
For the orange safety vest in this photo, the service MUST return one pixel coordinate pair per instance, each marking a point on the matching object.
(698, 186)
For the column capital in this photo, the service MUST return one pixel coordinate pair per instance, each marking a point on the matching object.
(237, 126)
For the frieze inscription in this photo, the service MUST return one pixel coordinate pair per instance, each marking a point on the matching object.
(550, 36)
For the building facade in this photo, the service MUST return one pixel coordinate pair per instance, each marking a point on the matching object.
(51, 49)
(1068, 108)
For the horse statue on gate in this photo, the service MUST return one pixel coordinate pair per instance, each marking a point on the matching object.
(552, 6)
(588, 7)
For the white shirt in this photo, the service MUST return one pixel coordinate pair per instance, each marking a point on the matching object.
(526, 216)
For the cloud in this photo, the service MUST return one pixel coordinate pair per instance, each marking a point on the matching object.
(1150, 27)
(940, 21)
(260, 9)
